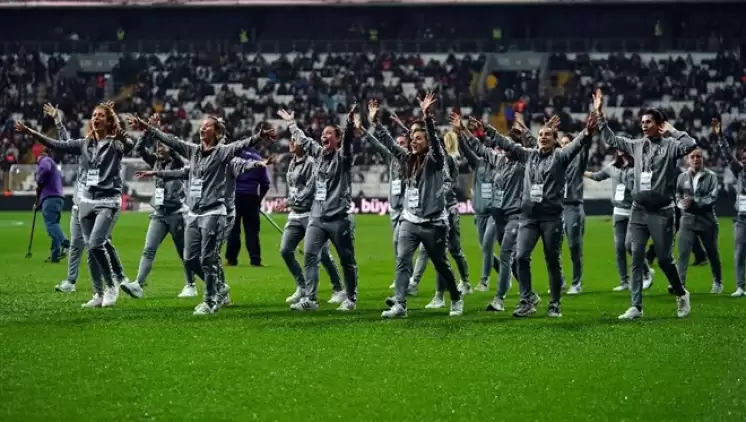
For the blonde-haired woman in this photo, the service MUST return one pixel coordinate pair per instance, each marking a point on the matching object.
(450, 170)
(101, 153)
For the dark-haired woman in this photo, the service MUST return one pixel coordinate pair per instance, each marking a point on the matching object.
(101, 197)
(425, 216)
(621, 173)
(330, 218)
(542, 207)
(656, 157)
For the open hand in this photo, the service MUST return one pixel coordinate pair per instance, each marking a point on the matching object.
(598, 101)
(51, 111)
(21, 128)
(373, 110)
(456, 123)
(427, 102)
(285, 115)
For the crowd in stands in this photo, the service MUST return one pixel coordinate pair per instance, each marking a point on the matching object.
(245, 89)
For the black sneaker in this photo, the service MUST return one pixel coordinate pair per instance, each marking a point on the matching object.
(553, 310)
(524, 309)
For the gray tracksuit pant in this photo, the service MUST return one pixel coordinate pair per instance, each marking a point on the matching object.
(159, 227)
(622, 247)
(688, 235)
(433, 237)
(294, 232)
(395, 230)
(202, 239)
(658, 225)
(573, 217)
(230, 220)
(341, 232)
(739, 254)
(97, 223)
(506, 232)
(75, 253)
(454, 248)
(549, 229)
(486, 239)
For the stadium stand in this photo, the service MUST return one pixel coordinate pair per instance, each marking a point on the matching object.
(244, 87)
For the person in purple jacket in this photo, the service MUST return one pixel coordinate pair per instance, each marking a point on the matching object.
(50, 201)
(251, 187)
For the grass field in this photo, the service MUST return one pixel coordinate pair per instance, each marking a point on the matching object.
(152, 360)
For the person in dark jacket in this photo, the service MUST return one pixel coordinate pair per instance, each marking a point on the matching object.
(50, 202)
(251, 187)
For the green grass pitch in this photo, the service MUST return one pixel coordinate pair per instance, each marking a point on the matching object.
(151, 359)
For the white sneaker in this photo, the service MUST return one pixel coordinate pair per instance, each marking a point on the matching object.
(304, 305)
(95, 302)
(393, 285)
(465, 288)
(347, 305)
(189, 290)
(683, 305)
(436, 303)
(630, 314)
(647, 282)
(740, 292)
(497, 305)
(111, 294)
(412, 290)
(133, 289)
(621, 287)
(717, 288)
(338, 297)
(65, 287)
(482, 287)
(457, 308)
(396, 311)
(295, 296)
(204, 309)
(575, 290)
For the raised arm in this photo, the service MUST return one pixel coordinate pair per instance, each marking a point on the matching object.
(182, 147)
(229, 151)
(348, 137)
(684, 143)
(506, 144)
(436, 153)
(143, 150)
(383, 142)
(383, 136)
(378, 146)
(571, 150)
(471, 158)
(475, 147)
(74, 146)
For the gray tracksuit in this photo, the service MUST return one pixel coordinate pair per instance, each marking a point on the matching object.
(652, 215)
(99, 199)
(77, 242)
(424, 218)
(622, 181)
(507, 186)
(698, 220)
(739, 254)
(169, 206)
(542, 206)
(206, 195)
(574, 214)
(301, 186)
(450, 179)
(482, 202)
(396, 194)
(330, 219)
